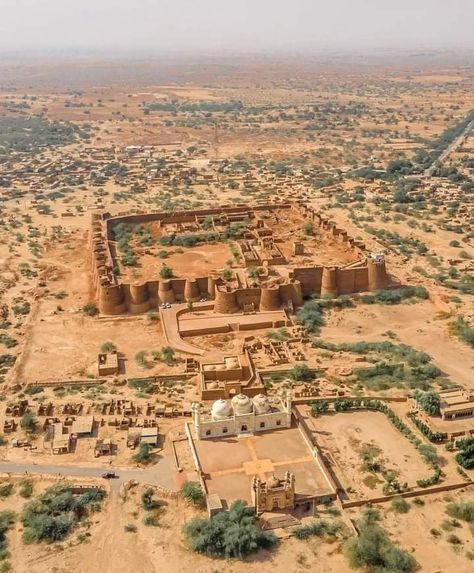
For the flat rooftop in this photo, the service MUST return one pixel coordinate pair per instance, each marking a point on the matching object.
(209, 322)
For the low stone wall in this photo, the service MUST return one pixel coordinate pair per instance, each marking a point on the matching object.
(80, 382)
(414, 493)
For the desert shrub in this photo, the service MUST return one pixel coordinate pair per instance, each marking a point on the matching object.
(130, 528)
(453, 539)
(317, 528)
(463, 331)
(192, 492)
(344, 404)
(310, 316)
(7, 519)
(233, 533)
(151, 520)
(26, 488)
(395, 296)
(279, 335)
(400, 505)
(28, 422)
(301, 373)
(167, 355)
(6, 489)
(90, 309)
(426, 430)
(32, 390)
(54, 513)
(319, 407)
(374, 550)
(148, 503)
(108, 347)
(166, 272)
(463, 510)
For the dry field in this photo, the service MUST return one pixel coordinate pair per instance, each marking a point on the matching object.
(345, 138)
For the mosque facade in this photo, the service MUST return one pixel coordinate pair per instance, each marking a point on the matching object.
(242, 415)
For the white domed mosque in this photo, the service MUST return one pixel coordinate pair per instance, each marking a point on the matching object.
(242, 415)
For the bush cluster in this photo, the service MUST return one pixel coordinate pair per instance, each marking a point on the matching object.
(233, 533)
(53, 514)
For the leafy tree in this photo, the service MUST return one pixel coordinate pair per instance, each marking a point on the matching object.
(192, 492)
(308, 228)
(465, 456)
(144, 453)
(429, 401)
(233, 533)
(167, 354)
(310, 316)
(319, 407)
(53, 514)
(28, 422)
(301, 373)
(374, 550)
(149, 504)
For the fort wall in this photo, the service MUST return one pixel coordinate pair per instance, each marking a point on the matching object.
(116, 297)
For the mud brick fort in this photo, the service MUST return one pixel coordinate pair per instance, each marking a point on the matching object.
(296, 252)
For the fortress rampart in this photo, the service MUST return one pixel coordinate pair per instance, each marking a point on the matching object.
(116, 297)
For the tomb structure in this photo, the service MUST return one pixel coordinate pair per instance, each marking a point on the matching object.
(273, 494)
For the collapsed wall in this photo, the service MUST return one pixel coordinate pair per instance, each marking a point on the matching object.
(115, 297)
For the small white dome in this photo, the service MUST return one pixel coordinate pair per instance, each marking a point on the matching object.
(221, 409)
(242, 404)
(261, 404)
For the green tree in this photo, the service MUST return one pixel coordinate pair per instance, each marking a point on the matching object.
(28, 422)
(167, 354)
(192, 492)
(230, 534)
(308, 228)
(429, 401)
(310, 316)
(144, 453)
(319, 407)
(374, 551)
(301, 373)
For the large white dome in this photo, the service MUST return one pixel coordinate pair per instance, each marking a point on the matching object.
(242, 404)
(221, 409)
(261, 404)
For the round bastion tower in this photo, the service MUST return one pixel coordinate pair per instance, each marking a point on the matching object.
(329, 282)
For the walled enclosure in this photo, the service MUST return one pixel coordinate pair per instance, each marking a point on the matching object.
(257, 248)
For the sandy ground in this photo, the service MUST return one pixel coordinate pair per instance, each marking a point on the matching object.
(417, 324)
(342, 436)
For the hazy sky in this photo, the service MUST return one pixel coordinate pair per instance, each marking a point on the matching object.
(250, 25)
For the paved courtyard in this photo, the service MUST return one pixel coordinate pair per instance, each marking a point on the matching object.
(229, 464)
